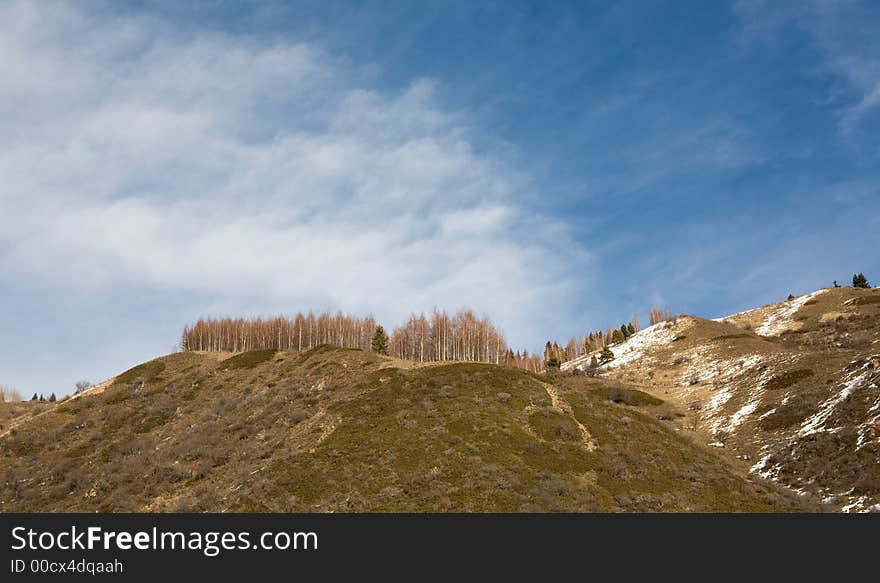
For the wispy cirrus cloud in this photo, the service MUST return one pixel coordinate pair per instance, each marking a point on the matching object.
(248, 176)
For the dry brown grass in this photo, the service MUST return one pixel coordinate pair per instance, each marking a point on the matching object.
(344, 430)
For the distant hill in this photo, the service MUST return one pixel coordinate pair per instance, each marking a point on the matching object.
(332, 430)
(790, 390)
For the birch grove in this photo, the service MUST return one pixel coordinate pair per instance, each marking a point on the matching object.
(439, 337)
(301, 332)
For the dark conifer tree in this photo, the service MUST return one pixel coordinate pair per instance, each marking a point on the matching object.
(859, 280)
(380, 341)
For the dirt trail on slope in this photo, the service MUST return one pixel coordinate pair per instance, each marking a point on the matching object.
(560, 404)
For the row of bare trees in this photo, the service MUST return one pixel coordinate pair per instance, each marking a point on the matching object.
(439, 336)
(657, 315)
(301, 332)
(593, 341)
(596, 340)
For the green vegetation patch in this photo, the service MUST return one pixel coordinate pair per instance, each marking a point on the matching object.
(625, 396)
(787, 379)
(247, 359)
(144, 372)
(151, 421)
(554, 426)
(795, 410)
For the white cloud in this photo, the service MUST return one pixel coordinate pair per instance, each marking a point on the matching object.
(247, 174)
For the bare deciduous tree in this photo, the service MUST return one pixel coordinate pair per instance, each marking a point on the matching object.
(635, 323)
(9, 394)
(657, 315)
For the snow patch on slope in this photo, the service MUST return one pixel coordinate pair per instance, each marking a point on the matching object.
(702, 365)
(780, 319)
(863, 377)
(633, 349)
(859, 379)
(755, 394)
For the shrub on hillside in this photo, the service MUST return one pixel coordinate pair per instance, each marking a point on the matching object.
(625, 396)
(787, 379)
(859, 280)
(248, 359)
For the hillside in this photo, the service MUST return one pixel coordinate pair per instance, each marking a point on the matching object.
(332, 430)
(790, 390)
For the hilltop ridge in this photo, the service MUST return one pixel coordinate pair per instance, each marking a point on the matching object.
(790, 388)
(335, 429)
(771, 409)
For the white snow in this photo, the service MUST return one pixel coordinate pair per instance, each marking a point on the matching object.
(746, 410)
(764, 469)
(858, 505)
(657, 335)
(702, 365)
(816, 423)
(720, 398)
(780, 319)
(633, 349)
(867, 428)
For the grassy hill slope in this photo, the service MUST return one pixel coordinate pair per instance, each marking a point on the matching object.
(791, 390)
(345, 430)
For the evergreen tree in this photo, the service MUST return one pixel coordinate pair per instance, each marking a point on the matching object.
(42, 398)
(836, 284)
(552, 365)
(859, 280)
(606, 355)
(52, 398)
(624, 331)
(34, 398)
(380, 341)
(617, 337)
(631, 329)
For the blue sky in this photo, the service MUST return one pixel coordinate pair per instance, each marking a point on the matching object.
(557, 166)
